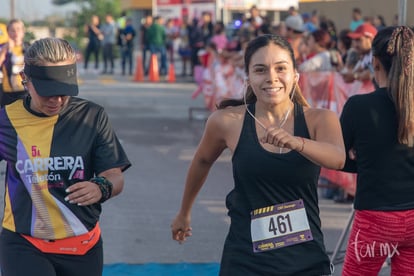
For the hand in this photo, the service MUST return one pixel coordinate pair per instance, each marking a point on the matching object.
(83, 193)
(181, 229)
(281, 138)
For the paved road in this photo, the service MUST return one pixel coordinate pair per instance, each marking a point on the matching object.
(153, 124)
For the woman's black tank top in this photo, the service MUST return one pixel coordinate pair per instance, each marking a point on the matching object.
(263, 179)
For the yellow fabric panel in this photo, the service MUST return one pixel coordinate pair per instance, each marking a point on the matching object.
(38, 132)
(8, 219)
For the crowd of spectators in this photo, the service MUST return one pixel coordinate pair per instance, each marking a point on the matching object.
(212, 53)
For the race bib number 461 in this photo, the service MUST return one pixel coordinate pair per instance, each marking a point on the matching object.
(279, 226)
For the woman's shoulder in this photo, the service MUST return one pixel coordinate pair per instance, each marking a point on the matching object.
(362, 100)
(229, 113)
(227, 117)
(226, 125)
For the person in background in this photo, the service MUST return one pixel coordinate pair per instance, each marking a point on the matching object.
(184, 48)
(157, 39)
(196, 44)
(257, 20)
(295, 35)
(329, 26)
(308, 25)
(12, 62)
(207, 27)
(362, 38)
(265, 28)
(109, 32)
(121, 21)
(272, 134)
(319, 59)
(171, 34)
(63, 161)
(315, 18)
(219, 37)
(349, 56)
(378, 130)
(120, 24)
(95, 37)
(357, 19)
(379, 22)
(293, 11)
(127, 42)
(145, 47)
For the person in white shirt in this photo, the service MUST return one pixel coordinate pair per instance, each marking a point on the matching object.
(319, 59)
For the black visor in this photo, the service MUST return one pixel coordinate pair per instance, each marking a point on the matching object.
(53, 80)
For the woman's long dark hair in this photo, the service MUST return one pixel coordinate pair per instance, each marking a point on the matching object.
(253, 46)
(394, 48)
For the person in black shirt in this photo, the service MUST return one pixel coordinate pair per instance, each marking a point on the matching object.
(278, 144)
(127, 42)
(63, 161)
(378, 130)
(95, 37)
(145, 47)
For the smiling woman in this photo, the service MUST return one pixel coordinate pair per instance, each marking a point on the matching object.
(278, 144)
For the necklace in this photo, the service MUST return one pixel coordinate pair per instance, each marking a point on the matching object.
(281, 124)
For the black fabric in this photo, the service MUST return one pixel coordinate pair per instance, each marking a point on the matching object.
(19, 257)
(385, 168)
(11, 97)
(53, 80)
(262, 179)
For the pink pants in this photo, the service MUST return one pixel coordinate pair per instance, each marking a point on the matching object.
(377, 235)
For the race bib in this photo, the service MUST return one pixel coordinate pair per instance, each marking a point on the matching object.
(280, 225)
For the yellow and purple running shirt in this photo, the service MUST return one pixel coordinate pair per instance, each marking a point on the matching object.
(45, 155)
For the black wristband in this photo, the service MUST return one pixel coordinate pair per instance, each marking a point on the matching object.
(105, 186)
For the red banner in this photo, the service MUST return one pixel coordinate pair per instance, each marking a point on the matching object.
(328, 90)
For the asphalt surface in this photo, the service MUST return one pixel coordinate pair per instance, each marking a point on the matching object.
(153, 124)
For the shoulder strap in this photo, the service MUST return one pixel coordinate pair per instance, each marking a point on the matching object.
(301, 128)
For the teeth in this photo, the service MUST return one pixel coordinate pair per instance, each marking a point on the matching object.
(273, 89)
